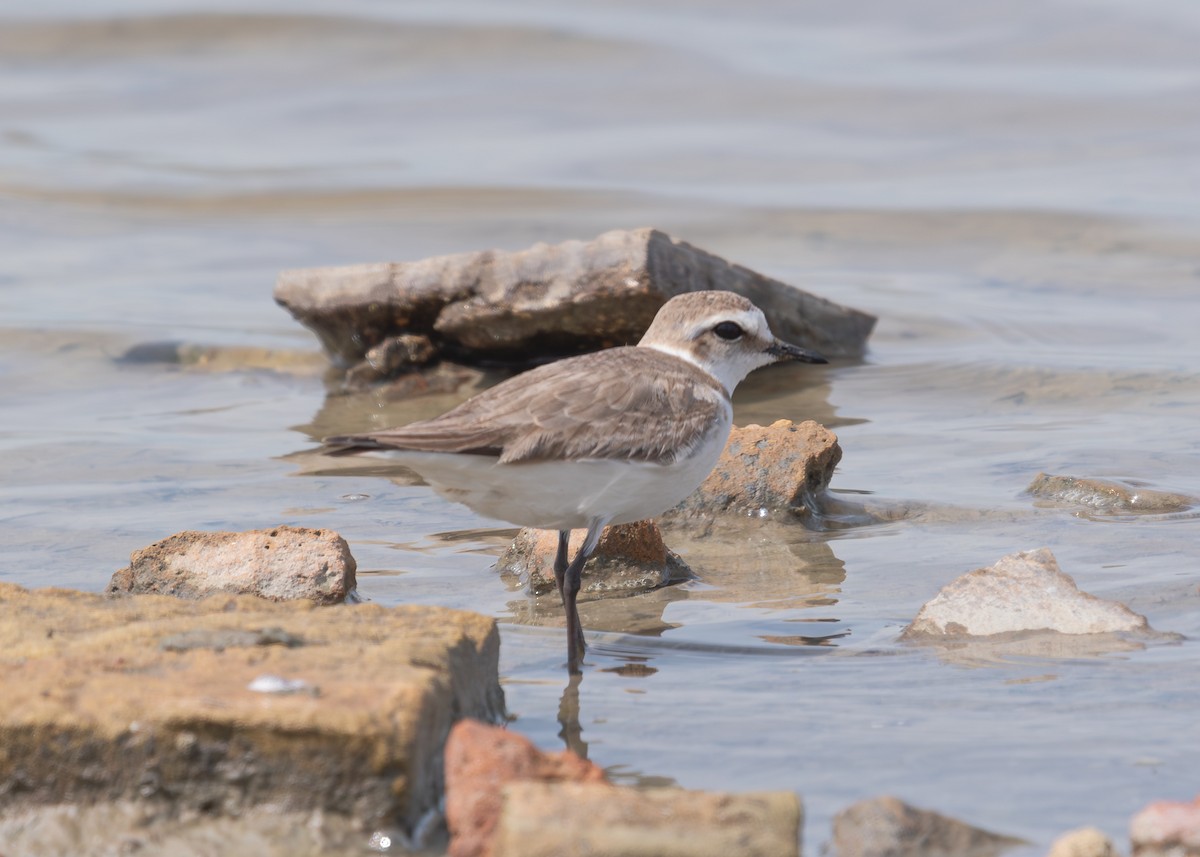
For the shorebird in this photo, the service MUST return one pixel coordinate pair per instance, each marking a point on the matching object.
(610, 437)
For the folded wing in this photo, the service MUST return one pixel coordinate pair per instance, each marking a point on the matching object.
(631, 403)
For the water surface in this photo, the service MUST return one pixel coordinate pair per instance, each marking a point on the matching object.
(1011, 191)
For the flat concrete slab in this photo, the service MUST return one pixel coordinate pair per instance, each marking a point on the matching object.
(220, 705)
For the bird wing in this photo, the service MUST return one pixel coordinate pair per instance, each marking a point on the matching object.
(630, 403)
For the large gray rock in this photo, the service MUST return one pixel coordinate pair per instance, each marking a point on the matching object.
(1022, 592)
(548, 300)
(283, 564)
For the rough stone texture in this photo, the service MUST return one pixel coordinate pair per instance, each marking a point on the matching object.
(546, 300)
(480, 761)
(1021, 592)
(282, 564)
(1085, 842)
(577, 819)
(1106, 495)
(629, 558)
(1167, 828)
(781, 467)
(388, 358)
(888, 827)
(101, 703)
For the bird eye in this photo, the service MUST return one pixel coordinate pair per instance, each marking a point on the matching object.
(729, 330)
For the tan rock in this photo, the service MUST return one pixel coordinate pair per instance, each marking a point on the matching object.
(480, 761)
(781, 467)
(550, 300)
(341, 710)
(577, 819)
(888, 827)
(629, 558)
(1106, 495)
(1022, 592)
(281, 564)
(1167, 828)
(1085, 842)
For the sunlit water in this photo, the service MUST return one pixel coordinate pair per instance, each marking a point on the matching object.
(1011, 192)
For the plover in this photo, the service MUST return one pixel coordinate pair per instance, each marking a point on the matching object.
(610, 437)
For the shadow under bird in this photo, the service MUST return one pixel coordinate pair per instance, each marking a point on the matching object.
(610, 437)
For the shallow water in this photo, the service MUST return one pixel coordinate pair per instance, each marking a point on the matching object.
(1011, 192)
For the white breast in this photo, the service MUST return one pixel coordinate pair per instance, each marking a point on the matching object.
(562, 495)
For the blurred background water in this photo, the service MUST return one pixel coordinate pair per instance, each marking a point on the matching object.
(1011, 188)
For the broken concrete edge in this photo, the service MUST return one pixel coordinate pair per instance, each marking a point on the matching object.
(549, 301)
(96, 708)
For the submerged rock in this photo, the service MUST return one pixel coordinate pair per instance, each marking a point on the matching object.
(1167, 828)
(580, 819)
(444, 377)
(389, 358)
(888, 827)
(546, 301)
(779, 468)
(1022, 592)
(629, 558)
(102, 702)
(282, 564)
(480, 761)
(1106, 495)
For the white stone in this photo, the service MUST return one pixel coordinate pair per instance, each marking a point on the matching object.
(1022, 592)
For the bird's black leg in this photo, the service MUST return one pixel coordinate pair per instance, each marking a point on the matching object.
(560, 561)
(572, 580)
